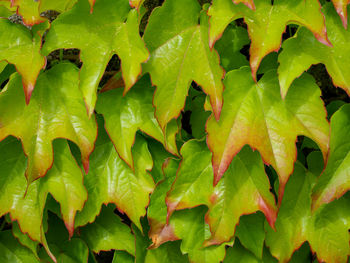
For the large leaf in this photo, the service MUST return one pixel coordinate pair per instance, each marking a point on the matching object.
(111, 180)
(335, 180)
(180, 54)
(326, 230)
(255, 114)
(21, 47)
(26, 205)
(101, 34)
(12, 251)
(301, 51)
(108, 232)
(342, 9)
(267, 23)
(56, 111)
(244, 190)
(124, 115)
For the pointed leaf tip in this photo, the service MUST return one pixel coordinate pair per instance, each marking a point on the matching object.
(28, 90)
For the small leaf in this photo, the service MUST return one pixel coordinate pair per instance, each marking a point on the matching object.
(108, 232)
(111, 180)
(335, 180)
(21, 47)
(12, 251)
(180, 54)
(102, 33)
(56, 111)
(302, 51)
(125, 115)
(267, 23)
(255, 114)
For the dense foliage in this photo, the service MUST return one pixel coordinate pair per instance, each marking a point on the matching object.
(174, 131)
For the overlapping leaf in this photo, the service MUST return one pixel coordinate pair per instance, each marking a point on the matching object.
(342, 9)
(301, 51)
(21, 47)
(244, 190)
(255, 114)
(267, 23)
(124, 115)
(26, 204)
(108, 232)
(335, 180)
(111, 180)
(326, 231)
(136, 3)
(56, 110)
(168, 252)
(180, 54)
(102, 33)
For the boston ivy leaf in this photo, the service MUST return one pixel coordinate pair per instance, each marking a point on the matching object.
(28, 10)
(226, 201)
(335, 179)
(301, 51)
(342, 9)
(180, 54)
(168, 252)
(24, 239)
(198, 117)
(326, 230)
(101, 34)
(136, 3)
(249, 3)
(229, 45)
(251, 233)
(239, 254)
(108, 232)
(111, 180)
(57, 5)
(124, 115)
(12, 251)
(56, 111)
(26, 204)
(255, 114)
(122, 256)
(267, 23)
(21, 47)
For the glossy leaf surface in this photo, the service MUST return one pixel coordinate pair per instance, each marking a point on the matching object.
(21, 47)
(302, 51)
(102, 33)
(124, 115)
(267, 23)
(342, 9)
(335, 180)
(179, 55)
(56, 110)
(255, 114)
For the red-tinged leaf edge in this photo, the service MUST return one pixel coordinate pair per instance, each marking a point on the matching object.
(160, 233)
(92, 3)
(342, 11)
(249, 3)
(25, 21)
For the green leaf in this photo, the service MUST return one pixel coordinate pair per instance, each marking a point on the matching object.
(302, 51)
(28, 10)
(26, 204)
(108, 232)
(267, 23)
(251, 233)
(12, 251)
(21, 47)
(342, 9)
(335, 179)
(198, 117)
(24, 239)
(239, 254)
(180, 54)
(101, 34)
(226, 202)
(124, 115)
(111, 180)
(122, 257)
(57, 5)
(168, 252)
(255, 114)
(56, 111)
(326, 230)
(229, 45)
(136, 3)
